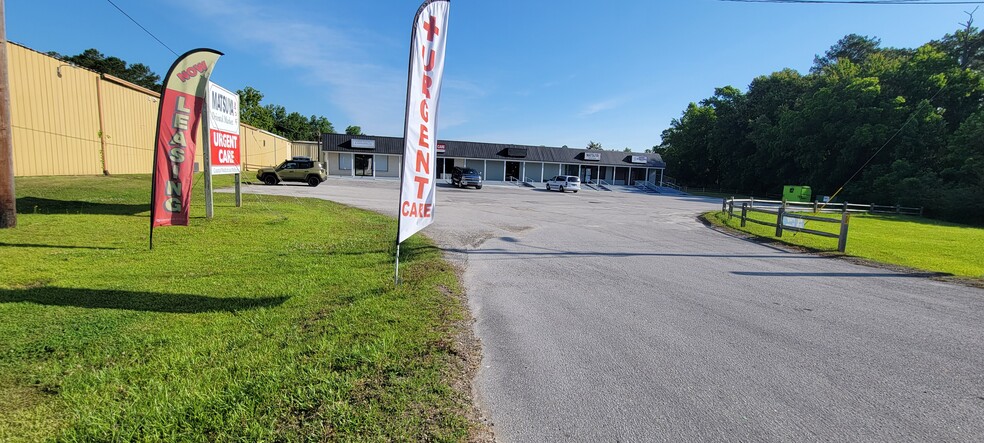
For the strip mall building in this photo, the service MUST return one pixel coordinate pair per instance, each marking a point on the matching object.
(374, 156)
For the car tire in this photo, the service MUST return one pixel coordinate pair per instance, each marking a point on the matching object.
(270, 179)
(313, 181)
(478, 187)
(575, 192)
(548, 186)
(561, 189)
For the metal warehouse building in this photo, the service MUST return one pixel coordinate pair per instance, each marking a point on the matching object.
(373, 156)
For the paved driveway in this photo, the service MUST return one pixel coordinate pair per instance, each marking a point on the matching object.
(618, 317)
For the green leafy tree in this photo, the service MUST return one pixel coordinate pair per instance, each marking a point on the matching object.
(965, 45)
(594, 146)
(353, 130)
(854, 47)
(251, 110)
(275, 118)
(888, 125)
(137, 73)
(320, 125)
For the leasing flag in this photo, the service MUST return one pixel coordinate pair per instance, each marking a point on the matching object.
(178, 119)
(427, 45)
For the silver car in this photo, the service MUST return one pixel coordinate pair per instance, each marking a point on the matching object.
(564, 183)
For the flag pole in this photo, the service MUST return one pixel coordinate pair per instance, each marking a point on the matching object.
(396, 277)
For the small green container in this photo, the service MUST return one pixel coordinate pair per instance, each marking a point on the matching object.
(796, 193)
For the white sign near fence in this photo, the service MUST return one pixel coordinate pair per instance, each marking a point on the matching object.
(793, 222)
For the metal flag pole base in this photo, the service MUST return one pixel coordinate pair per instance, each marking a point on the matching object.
(396, 277)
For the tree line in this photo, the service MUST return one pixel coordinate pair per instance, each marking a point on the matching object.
(271, 117)
(889, 125)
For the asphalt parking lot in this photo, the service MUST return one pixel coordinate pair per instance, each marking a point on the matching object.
(612, 316)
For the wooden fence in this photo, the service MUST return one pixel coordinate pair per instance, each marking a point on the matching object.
(786, 221)
(786, 214)
(818, 207)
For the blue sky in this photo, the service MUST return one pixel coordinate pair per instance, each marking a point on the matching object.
(525, 72)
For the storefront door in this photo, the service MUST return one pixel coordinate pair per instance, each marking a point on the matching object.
(363, 165)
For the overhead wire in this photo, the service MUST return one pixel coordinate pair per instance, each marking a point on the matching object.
(142, 27)
(863, 2)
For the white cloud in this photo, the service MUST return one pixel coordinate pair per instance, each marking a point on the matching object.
(604, 105)
(340, 60)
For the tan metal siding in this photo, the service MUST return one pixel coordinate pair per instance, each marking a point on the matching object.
(129, 117)
(54, 119)
(261, 148)
(56, 125)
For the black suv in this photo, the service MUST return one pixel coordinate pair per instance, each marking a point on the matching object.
(462, 177)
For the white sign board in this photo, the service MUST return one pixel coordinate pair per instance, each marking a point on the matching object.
(793, 222)
(223, 130)
(594, 156)
(640, 159)
(363, 144)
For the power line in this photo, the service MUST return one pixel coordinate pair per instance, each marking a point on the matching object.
(863, 2)
(142, 27)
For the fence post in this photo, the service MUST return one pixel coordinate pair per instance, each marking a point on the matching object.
(842, 240)
(872, 209)
(782, 209)
(731, 208)
(898, 208)
(844, 208)
(744, 213)
(920, 211)
(724, 204)
(751, 202)
(816, 206)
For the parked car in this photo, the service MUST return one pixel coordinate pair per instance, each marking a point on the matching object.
(297, 169)
(564, 183)
(462, 177)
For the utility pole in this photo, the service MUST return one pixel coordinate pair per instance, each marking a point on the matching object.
(8, 203)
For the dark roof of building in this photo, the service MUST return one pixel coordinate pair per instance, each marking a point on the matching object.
(496, 151)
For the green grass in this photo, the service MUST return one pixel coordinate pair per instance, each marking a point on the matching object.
(912, 242)
(277, 321)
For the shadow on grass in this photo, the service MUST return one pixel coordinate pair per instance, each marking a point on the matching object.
(38, 245)
(134, 301)
(841, 274)
(35, 205)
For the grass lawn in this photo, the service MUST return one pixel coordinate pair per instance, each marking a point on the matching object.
(913, 242)
(275, 321)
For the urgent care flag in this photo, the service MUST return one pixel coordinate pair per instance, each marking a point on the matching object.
(178, 119)
(427, 46)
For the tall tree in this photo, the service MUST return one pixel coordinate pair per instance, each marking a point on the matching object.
(593, 145)
(137, 73)
(965, 45)
(251, 110)
(353, 130)
(320, 125)
(854, 47)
